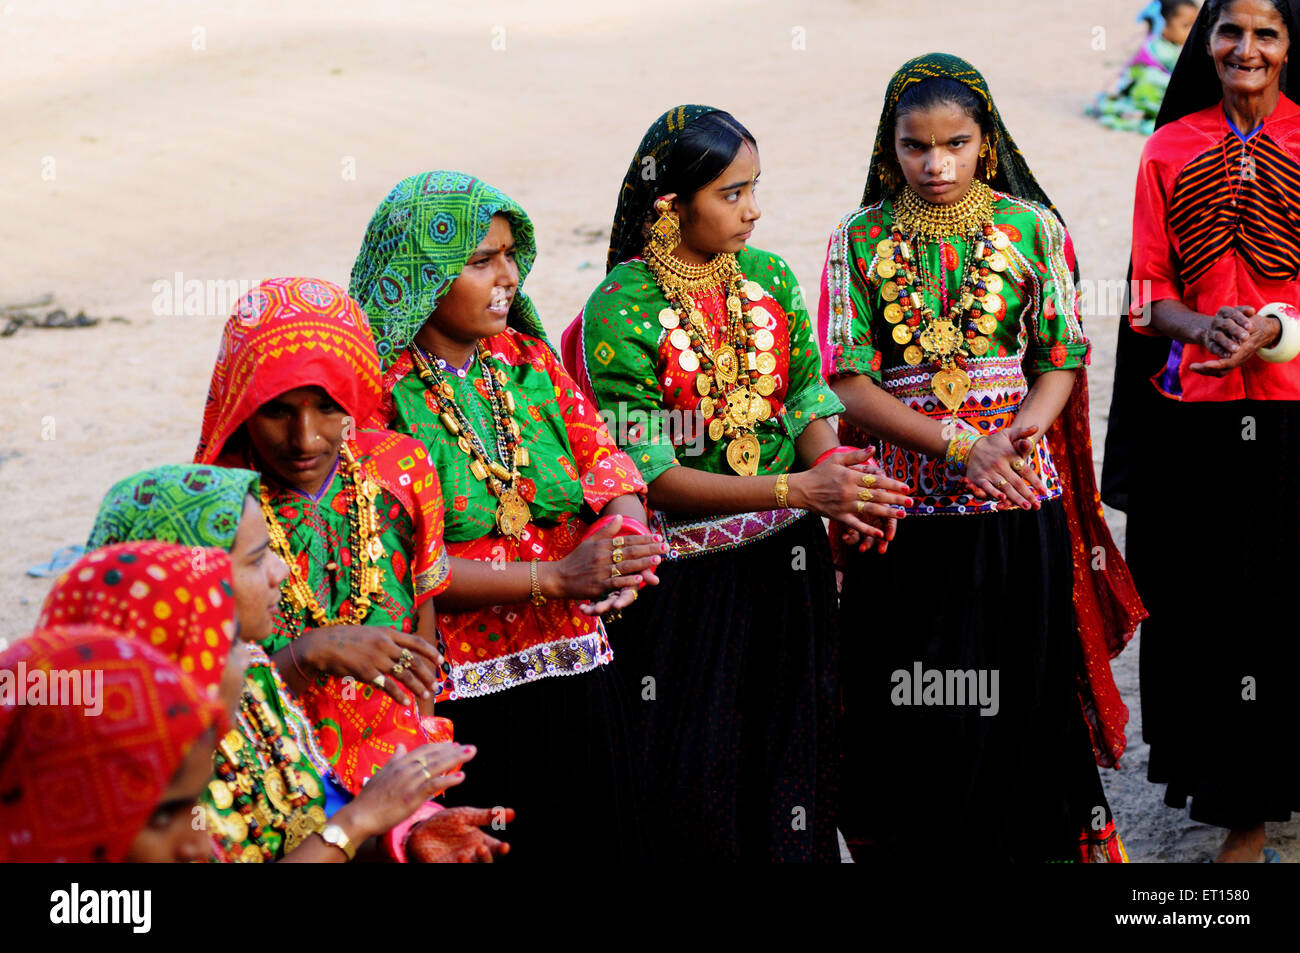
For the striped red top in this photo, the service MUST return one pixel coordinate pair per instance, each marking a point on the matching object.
(1216, 222)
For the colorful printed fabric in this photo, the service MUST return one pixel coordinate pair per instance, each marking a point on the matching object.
(360, 729)
(640, 186)
(1107, 607)
(1038, 330)
(417, 243)
(77, 784)
(574, 463)
(635, 375)
(1133, 101)
(1013, 173)
(1215, 222)
(287, 333)
(358, 726)
(230, 825)
(175, 503)
(178, 599)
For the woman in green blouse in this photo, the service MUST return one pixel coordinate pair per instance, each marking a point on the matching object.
(700, 352)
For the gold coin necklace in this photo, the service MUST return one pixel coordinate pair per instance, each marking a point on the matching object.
(365, 577)
(970, 319)
(733, 392)
(278, 800)
(499, 471)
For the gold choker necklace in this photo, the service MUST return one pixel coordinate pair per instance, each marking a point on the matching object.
(917, 217)
(692, 279)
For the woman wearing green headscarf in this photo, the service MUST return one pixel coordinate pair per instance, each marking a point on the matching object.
(951, 333)
(544, 513)
(274, 787)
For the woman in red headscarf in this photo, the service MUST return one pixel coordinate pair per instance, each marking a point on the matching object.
(357, 515)
(108, 762)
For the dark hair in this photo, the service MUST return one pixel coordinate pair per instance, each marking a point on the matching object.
(703, 151)
(941, 90)
(1215, 10)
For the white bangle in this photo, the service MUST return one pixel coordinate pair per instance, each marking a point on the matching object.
(1288, 342)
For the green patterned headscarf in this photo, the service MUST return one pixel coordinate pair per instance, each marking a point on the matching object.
(640, 185)
(417, 243)
(189, 504)
(1013, 175)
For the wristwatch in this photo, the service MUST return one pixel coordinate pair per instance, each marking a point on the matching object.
(335, 837)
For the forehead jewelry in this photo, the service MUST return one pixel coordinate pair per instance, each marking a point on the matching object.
(931, 140)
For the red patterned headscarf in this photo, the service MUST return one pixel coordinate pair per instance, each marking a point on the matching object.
(77, 784)
(179, 599)
(288, 333)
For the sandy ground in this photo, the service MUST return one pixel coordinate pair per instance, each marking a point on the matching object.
(231, 142)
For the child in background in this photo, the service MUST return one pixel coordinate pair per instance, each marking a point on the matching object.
(1133, 102)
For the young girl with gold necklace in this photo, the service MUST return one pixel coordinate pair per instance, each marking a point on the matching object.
(732, 667)
(950, 332)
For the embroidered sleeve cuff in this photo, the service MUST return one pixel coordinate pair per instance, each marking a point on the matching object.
(855, 359)
(430, 582)
(1058, 357)
(816, 400)
(651, 459)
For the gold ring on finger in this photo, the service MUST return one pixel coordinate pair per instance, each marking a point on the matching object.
(868, 479)
(616, 555)
(428, 775)
(398, 669)
(865, 496)
(613, 571)
(406, 658)
(379, 681)
(1017, 464)
(1002, 481)
(861, 506)
(619, 541)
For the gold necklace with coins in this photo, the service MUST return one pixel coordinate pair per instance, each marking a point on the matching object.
(733, 393)
(970, 319)
(268, 791)
(502, 471)
(365, 578)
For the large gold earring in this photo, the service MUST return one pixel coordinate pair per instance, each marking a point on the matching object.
(990, 153)
(666, 232)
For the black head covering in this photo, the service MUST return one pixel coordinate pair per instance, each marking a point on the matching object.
(1013, 173)
(640, 185)
(1135, 405)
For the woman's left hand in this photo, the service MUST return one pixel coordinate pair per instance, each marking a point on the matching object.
(1235, 334)
(453, 836)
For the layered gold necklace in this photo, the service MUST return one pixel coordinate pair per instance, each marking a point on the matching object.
(365, 579)
(970, 319)
(733, 390)
(500, 470)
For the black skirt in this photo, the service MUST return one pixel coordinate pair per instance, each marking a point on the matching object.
(558, 751)
(1214, 519)
(731, 669)
(940, 759)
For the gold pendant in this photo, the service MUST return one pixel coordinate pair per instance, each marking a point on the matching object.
(680, 339)
(991, 303)
(688, 361)
(764, 339)
(759, 408)
(766, 385)
(513, 514)
(753, 291)
(220, 792)
(716, 427)
(374, 550)
(993, 284)
(743, 454)
(912, 354)
(986, 324)
(889, 291)
(951, 385)
(941, 337)
(978, 346)
(765, 363)
(290, 749)
(309, 785)
(703, 384)
(262, 814)
(893, 313)
(697, 319)
(886, 268)
(273, 785)
(725, 363)
(236, 827)
(901, 334)
(251, 855)
(707, 407)
(885, 248)
(668, 319)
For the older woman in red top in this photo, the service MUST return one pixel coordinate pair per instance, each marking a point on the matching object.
(1213, 377)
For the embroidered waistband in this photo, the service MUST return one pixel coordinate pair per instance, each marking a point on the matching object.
(562, 657)
(720, 533)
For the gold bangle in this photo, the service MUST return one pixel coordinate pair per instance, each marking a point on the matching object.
(537, 598)
(782, 489)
